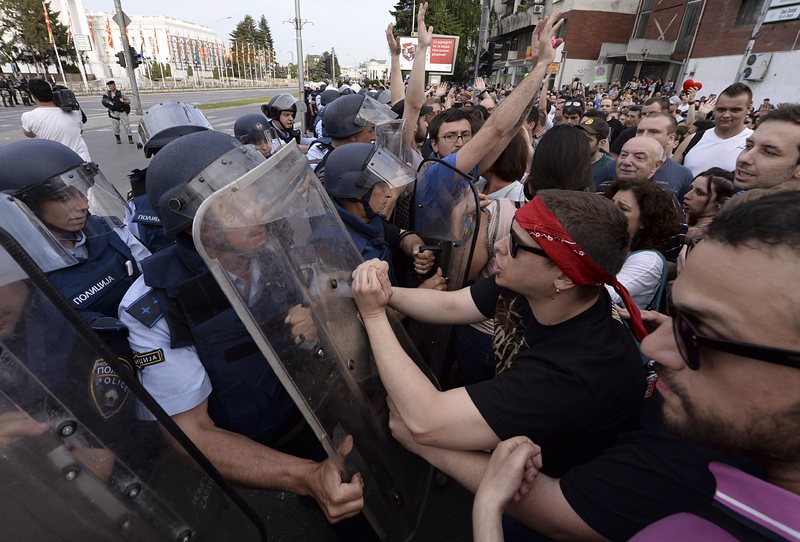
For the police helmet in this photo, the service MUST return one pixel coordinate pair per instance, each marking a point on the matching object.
(278, 103)
(190, 169)
(345, 89)
(353, 169)
(350, 114)
(384, 97)
(328, 96)
(355, 87)
(39, 170)
(249, 125)
(166, 121)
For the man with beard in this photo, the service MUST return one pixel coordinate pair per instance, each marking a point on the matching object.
(771, 155)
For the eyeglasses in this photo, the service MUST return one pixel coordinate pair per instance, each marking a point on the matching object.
(517, 246)
(452, 138)
(690, 341)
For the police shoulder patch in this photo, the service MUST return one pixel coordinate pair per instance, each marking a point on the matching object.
(146, 309)
(145, 359)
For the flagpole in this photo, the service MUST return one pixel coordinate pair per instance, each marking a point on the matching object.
(53, 42)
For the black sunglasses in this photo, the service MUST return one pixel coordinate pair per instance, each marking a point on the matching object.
(516, 246)
(690, 341)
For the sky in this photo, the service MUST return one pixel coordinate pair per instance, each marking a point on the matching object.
(356, 29)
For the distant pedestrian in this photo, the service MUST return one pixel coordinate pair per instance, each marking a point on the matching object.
(119, 106)
(49, 121)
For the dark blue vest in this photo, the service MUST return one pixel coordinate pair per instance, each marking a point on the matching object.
(247, 397)
(98, 283)
(368, 238)
(151, 232)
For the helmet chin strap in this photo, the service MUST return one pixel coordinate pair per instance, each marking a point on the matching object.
(365, 202)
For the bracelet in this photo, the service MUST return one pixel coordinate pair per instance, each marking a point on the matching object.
(405, 234)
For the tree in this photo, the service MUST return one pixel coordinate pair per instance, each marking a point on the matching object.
(22, 23)
(265, 34)
(451, 17)
(324, 67)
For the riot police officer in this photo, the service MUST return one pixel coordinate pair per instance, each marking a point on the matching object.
(160, 124)
(348, 119)
(361, 179)
(326, 97)
(253, 129)
(282, 110)
(61, 189)
(195, 355)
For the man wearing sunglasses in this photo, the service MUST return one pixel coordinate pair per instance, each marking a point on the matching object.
(729, 371)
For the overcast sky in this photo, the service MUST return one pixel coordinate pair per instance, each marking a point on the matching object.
(354, 28)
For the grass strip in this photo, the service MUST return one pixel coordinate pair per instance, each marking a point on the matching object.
(235, 103)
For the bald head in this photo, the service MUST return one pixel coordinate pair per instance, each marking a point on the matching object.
(639, 159)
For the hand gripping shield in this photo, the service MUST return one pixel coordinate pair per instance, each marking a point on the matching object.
(76, 462)
(281, 255)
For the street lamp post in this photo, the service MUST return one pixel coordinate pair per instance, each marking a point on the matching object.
(298, 29)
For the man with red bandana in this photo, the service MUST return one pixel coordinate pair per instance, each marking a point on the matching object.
(569, 374)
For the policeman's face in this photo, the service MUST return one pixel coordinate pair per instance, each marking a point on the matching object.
(112, 87)
(367, 135)
(379, 200)
(286, 119)
(66, 210)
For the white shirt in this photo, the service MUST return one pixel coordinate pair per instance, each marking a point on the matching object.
(713, 151)
(514, 191)
(640, 275)
(315, 154)
(56, 125)
(179, 381)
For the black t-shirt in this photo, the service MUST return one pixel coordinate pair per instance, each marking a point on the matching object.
(571, 387)
(621, 139)
(616, 128)
(646, 476)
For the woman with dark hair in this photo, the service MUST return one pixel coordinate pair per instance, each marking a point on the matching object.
(710, 190)
(652, 222)
(563, 160)
(503, 177)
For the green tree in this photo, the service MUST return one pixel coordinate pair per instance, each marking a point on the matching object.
(22, 24)
(323, 67)
(265, 34)
(189, 71)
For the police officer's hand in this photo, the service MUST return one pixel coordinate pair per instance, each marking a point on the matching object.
(338, 499)
(436, 282)
(424, 33)
(372, 289)
(17, 424)
(302, 324)
(423, 261)
(394, 43)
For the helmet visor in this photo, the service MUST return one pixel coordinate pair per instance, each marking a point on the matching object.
(65, 201)
(166, 121)
(389, 136)
(373, 112)
(219, 173)
(383, 166)
(263, 141)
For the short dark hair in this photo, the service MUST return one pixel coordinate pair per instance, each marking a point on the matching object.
(41, 90)
(657, 214)
(673, 124)
(772, 220)
(737, 89)
(563, 160)
(454, 114)
(596, 224)
(662, 102)
(635, 109)
(513, 161)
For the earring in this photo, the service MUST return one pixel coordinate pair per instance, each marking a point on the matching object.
(558, 290)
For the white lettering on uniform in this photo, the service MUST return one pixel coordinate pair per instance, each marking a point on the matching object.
(82, 298)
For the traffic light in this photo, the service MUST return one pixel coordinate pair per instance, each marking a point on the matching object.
(120, 58)
(483, 63)
(494, 54)
(135, 60)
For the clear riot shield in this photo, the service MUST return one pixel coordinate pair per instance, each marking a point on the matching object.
(446, 215)
(75, 462)
(279, 251)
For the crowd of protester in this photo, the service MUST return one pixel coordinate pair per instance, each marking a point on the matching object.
(628, 317)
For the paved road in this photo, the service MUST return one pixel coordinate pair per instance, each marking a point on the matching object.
(117, 160)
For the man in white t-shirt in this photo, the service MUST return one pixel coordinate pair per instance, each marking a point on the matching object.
(48, 121)
(720, 147)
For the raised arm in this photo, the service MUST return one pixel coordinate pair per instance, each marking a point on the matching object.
(415, 94)
(486, 145)
(396, 75)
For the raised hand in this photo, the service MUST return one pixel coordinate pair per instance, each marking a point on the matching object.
(424, 33)
(392, 41)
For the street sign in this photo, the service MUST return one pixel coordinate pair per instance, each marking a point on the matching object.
(601, 74)
(782, 3)
(553, 68)
(82, 42)
(125, 19)
(781, 15)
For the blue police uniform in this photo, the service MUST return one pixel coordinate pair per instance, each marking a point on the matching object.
(149, 229)
(179, 318)
(107, 267)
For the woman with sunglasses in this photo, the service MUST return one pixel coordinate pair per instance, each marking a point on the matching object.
(652, 223)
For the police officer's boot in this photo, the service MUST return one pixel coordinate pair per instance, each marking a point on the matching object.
(119, 141)
(130, 139)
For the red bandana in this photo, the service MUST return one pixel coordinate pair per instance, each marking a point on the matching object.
(550, 235)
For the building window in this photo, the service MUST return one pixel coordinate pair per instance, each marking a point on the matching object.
(691, 18)
(749, 12)
(644, 18)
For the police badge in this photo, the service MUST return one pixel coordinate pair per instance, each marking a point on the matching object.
(107, 389)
